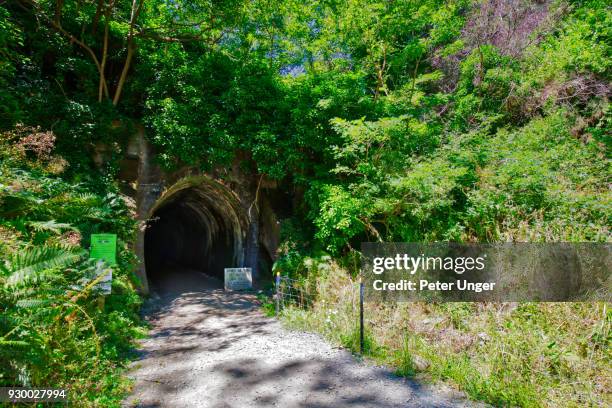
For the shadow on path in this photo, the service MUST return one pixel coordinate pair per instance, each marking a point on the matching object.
(210, 348)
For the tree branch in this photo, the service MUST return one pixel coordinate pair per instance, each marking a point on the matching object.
(101, 88)
(131, 47)
(58, 27)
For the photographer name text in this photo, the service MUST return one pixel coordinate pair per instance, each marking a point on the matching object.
(425, 285)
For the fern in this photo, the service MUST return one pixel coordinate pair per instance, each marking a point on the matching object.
(16, 204)
(14, 343)
(51, 226)
(87, 198)
(33, 303)
(36, 263)
(49, 311)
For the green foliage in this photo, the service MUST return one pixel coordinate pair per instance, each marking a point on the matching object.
(401, 121)
(343, 99)
(27, 267)
(511, 159)
(53, 330)
(339, 216)
(422, 120)
(10, 38)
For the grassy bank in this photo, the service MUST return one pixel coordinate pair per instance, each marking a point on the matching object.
(507, 354)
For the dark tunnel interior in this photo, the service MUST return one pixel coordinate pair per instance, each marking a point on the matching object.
(187, 241)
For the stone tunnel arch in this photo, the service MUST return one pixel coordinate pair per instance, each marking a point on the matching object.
(196, 226)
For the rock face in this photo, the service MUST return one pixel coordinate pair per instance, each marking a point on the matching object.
(149, 187)
(205, 221)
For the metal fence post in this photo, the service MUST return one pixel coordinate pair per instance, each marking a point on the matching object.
(361, 341)
(277, 293)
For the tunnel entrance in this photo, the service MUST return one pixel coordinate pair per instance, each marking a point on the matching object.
(194, 232)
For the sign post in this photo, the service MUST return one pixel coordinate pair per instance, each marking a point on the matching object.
(361, 340)
(278, 294)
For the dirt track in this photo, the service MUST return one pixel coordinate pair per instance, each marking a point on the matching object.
(209, 348)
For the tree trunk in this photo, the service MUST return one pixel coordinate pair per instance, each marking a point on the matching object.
(101, 89)
(131, 47)
(96, 19)
(124, 72)
(59, 5)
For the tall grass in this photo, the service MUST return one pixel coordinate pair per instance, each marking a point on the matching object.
(507, 354)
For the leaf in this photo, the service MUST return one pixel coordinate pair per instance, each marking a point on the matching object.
(14, 343)
(32, 303)
(51, 226)
(36, 262)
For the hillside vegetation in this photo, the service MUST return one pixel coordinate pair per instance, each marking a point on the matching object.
(54, 330)
(426, 120)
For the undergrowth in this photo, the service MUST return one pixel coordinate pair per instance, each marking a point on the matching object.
(56, 330)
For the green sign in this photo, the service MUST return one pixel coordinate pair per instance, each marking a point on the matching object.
(104, 247)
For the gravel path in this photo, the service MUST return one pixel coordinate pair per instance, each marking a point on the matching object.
(210, 348)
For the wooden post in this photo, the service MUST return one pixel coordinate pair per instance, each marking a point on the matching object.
(100, 302)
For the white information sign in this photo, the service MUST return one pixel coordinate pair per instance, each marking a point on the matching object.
(106, 282)
(238, 278)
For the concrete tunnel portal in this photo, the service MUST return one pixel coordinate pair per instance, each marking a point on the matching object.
(195, 230)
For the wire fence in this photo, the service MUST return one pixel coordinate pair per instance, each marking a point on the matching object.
(297, 293)
(291, 292)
